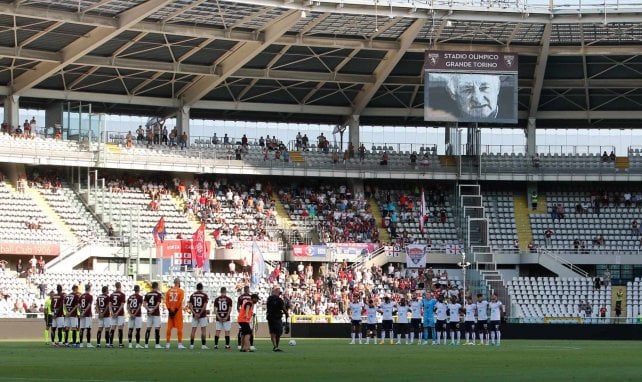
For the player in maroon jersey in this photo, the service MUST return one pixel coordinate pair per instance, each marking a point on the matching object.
(134, 307)
(58, 319)
(246, 296)
(152, 303)
(198, 306)
(71, 318)
(117, 303)
(84, 307)
(103, 310)
(222, 309)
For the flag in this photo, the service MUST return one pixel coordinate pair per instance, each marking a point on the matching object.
(258, 266)
(198, 246)
(159, 231)
(422, 212)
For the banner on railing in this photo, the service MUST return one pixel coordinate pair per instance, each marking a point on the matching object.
(37, 249)
(393, 250)
(309, 251)
(333, 251)
(179, 249)
(454, 249)
(416, 256)
(266, 247)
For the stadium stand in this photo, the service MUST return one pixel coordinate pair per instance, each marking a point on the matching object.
(500, 211)
(558, 297)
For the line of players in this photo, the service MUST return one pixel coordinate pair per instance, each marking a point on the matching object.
(73, 313)
(451, 316)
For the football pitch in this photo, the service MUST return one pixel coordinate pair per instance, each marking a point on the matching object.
(330, 360)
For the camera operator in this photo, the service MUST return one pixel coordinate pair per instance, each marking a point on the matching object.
(276, 308)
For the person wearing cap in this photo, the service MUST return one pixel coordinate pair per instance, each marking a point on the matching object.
(275, 310)
(245, 317)
(222, 310)
(174, 302)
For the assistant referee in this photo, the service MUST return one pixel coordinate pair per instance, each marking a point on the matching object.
(275, 310)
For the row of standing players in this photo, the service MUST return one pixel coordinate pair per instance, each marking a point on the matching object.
(450, 315)
(73, 313)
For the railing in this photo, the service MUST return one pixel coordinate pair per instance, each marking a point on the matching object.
(564, 262)
(588, 251)
(574, 320)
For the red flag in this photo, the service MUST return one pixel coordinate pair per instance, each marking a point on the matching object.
(422, 212)
(198, 246)
(159, 231)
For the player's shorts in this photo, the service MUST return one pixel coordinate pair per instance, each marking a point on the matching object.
(225, 326)
(441, 325)
(355, 322)
(48, 320)
(200, 322)
(58, 322)
(494, 325)
(429, 323)
(118, 321)
(135, 322)
(275, 327)
(454, 326)
(104, 322)
(85, 322)
(153, 321)
(469, 326)
(371, 327)
(482, 325)
(71, 322)
(245, 328)
(415, 323)
(386, 325)
(402, 328)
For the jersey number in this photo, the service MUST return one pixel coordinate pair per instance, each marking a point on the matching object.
(115, 300)
(69, 300)
(133, 304)
(83, 304)
(151, 301)
(173, 296)
(198, 302)
(222, 305)
(101, 302)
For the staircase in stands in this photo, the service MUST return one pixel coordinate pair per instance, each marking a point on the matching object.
(296, 157)
(447, 161)
(384, 236)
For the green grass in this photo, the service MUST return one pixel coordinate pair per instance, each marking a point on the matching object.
(331, 360)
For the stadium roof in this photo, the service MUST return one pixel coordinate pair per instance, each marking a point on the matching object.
(316, 61)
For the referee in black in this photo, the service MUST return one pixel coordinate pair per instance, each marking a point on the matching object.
(275, 310)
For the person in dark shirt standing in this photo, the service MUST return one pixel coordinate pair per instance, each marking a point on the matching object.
(275, 311)
(117, 304)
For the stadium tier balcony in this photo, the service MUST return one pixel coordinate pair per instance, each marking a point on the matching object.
(546, 163)
(557, 297)
(21, 219)
(500, 211)
(583, 222)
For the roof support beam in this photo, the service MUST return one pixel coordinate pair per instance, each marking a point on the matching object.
(85, 44)
(386, 66)
(237, 59)
(540, 70)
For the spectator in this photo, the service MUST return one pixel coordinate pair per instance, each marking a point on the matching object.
(286, 156)
(384, 159)
(536, 160)
(605, 157)
(607, 277)
(184, 140)
(335, 157)
(214, 139)
(554, 214)
(244, 141)
(532, 247)
(261, 142)
(19, 268)
(561, 212)
(413, 159)
(612, 156)
(226, 140)
(534, 200)
(548, 237)
(362, 152)
(635, 227)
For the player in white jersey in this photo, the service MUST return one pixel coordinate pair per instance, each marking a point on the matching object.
(415, 319)
(354, 309)
(441, 308)
(496, 308)
(482, 319)
(402, 320)
(386, 310)
(454, 309)
(371, 319)
(469, 321)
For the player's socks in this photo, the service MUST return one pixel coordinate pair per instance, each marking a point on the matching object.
(157, 335)
(191, 342)
(66, 336)
(82, 334)
(98, 335)
(399, 338)
(492, 337)
(147, 333)
(458, 337)
(53, 335)
(216, 340)
(498, 335)
(60, 335)
(111, 337)
(360, 337)
(425, 335)
(412, 337)
(392, 335)
(452, 337)
(239, 339)
(227, 341)
(473, 337)
(120, 336)
(46, 336)
(74, 336)
(252, 339)
(138, 336)
(130, 333)
(203, 340)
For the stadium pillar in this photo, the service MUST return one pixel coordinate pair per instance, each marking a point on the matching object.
(531, 139)
(53, 116)
(182, 121)
(353, 132)
(11, 111)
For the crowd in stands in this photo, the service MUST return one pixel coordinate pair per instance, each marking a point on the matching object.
(27, 130)
(338, 214)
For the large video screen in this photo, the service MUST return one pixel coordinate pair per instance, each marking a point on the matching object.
(470, 87)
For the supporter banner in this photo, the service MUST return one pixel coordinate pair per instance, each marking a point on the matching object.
(393, 250)
(309, 251)
(266, 247)
(416, 256)
(351, 251)
(170, 249)
(454, 249)
(38, 249)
